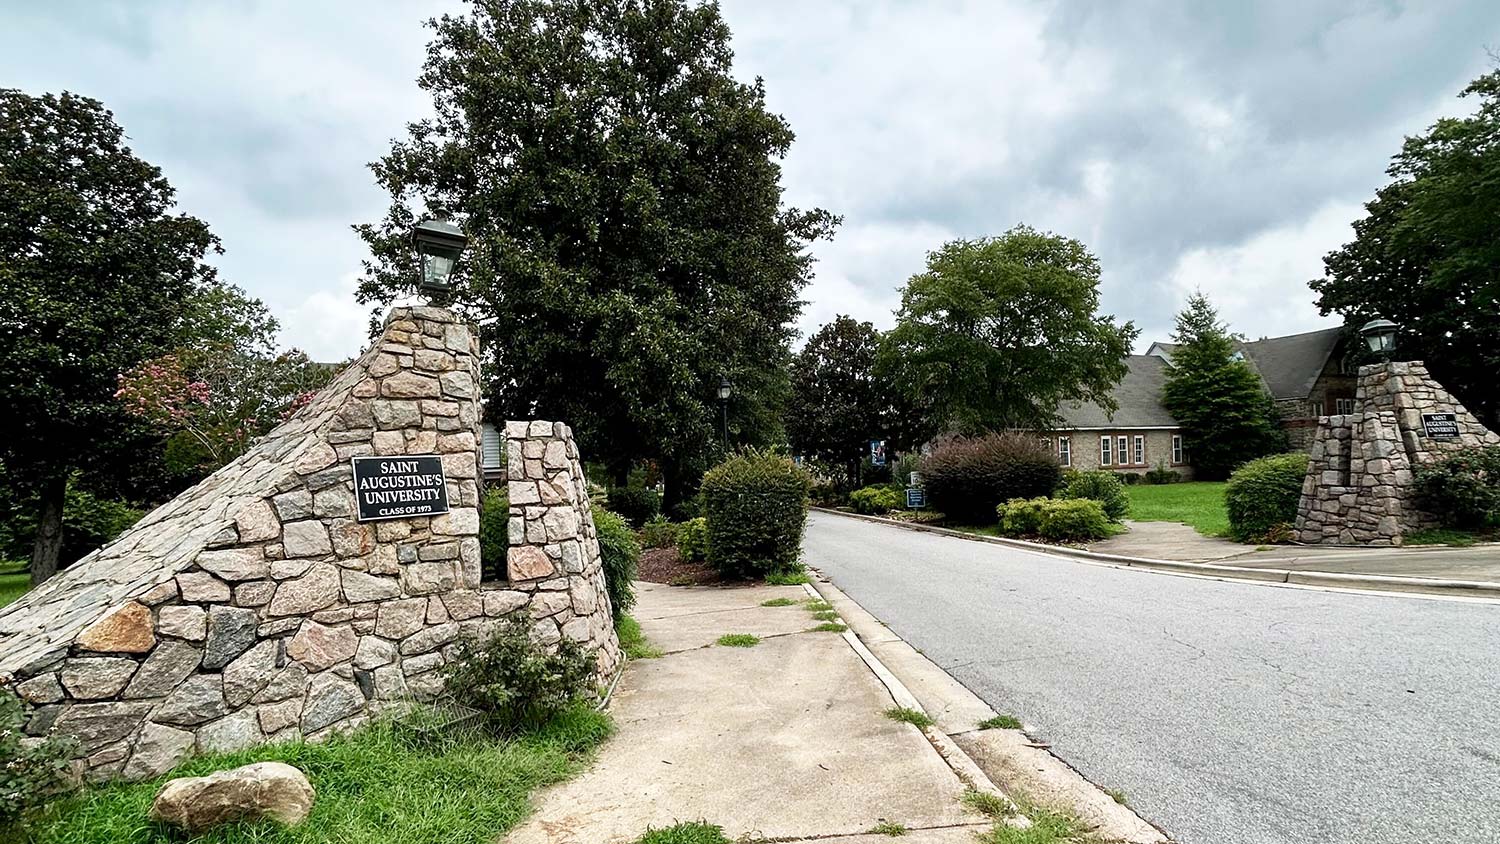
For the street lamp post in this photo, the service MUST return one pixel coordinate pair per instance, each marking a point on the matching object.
(725, 389)
(1380, 336)
(438, 244)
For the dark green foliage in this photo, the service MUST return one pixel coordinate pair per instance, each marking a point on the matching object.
(692, 539)
(967, 478)
(620, 553)
(1021, 516)
(1131, 478)
(516, 682)
(756, 506)
(875, 500)
(1425, 253)
(998, 331)
(1262, 496)
(1103, 487)
(837, 406)
(88, 522)
(1160, 475)
(635, 504)
(628, 243)
(659, 533)
(1073, 520)
(31, 775)
(494, 532)
(97, 267)
(1227, 416)
(1463, 489)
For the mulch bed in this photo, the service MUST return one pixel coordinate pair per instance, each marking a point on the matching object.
(663, 565)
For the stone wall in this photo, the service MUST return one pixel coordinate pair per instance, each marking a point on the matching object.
(255, 606)
(1358, 488)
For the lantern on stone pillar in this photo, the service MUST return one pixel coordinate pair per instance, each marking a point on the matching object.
(1380, 336)
(438, 244)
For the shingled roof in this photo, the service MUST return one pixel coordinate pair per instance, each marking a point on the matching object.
(1139, 397)
(1290, 365)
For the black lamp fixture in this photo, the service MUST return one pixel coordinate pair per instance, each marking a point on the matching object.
(1380, 336)
(725, 389)
(438, 244)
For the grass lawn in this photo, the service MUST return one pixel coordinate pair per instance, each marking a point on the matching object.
(372, 788)
(14, 581)
(1196, 503)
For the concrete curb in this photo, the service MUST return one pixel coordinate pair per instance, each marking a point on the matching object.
(1368, 582)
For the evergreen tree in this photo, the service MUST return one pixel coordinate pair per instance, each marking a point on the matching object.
(1226, 414)
(837, 405)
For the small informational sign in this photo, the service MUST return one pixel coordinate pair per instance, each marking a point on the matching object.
(916, 479)
(1440, 426)
(877, 452)
(399, 486)
(916, 498)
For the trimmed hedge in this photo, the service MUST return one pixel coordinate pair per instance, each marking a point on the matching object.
(620, 553)
(1262, 496)
(1021, 516)
(1103, 487)
(636, 504)
(692, 539)
(756, 506)
(1054, 519)
(969, 478)
(875, 500)
(1463, 489)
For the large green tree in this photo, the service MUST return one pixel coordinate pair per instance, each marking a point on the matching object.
(1427, 253)
(1227, 416)
(998, 331)
(628, 242)
(94, 268)
(837, 404)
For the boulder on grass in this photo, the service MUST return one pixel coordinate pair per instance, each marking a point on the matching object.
(265, 790)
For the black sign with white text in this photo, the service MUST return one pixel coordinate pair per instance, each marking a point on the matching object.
(399, 486)
(1440, 426)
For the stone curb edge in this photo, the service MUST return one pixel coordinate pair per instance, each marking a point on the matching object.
(1367, 582)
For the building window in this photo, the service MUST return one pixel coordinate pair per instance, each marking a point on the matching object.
(1177, 455)
(1122, 451)
(1317, 408)
(1343, 406)
(1065, 451)
(1105, 446)
(1140, 450)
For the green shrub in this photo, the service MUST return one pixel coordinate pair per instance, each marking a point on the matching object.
(620, 553)
(1103, 487)
(494, 532)
(969, 478)
(659, 533)
(637, 504)
(875, 500)
(692, 539)
(1131, 478)
(31, 773)
(514, 680)
(1161, 475)
(828, 494)
(1463, 489)
(1262, 495)
(1021, 516)
(756, 506)
(1073, 520)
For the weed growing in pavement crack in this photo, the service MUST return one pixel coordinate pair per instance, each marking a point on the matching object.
(633, 641)
(739, 640)
(826, 615)
(915, 717)
(888, 828)
(778, 602)
(817, 605)
(828, 627)
(697, 832)
(1116, 795)
(986, 803)
(1046, 828)
(1001, 722)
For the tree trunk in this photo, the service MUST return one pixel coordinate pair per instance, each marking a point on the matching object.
(49, 529)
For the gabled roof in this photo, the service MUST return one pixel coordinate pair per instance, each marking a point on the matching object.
(1139, 397)
(1290, 365)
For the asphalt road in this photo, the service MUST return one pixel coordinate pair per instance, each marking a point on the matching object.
(1228, 712)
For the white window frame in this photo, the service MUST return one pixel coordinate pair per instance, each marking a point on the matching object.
(1178, 452)
(1065, 451)
(1122, 451)
(1344, 406)
(1106, 450)
(1318, 408)
(1138, 450)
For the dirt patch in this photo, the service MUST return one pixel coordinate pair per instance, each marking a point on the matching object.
(664, 565)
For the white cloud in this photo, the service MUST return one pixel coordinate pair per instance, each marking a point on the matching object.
(326, 323)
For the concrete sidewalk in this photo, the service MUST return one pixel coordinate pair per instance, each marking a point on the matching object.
(785, 740)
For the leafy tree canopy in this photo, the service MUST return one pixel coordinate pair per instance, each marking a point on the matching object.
(96, 269)
(621, 194)
(998, 331)
(837, 405)
(1427, 252)
(1227, 417)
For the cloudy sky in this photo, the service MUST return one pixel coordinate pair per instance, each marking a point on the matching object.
(1226, 150)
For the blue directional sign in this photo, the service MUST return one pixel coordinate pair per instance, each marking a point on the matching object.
(916, 499)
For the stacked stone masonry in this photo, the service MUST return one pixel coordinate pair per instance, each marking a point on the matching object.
(1358, 489)
(255, 607)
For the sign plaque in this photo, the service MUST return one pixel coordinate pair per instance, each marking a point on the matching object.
(916, 498)
(399, 486)
(1440, 426)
